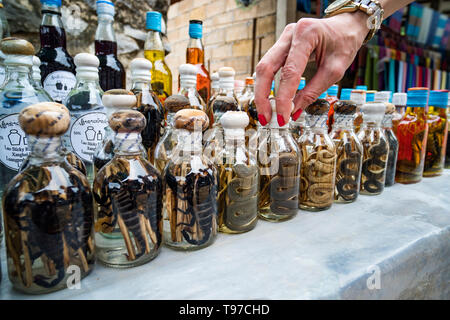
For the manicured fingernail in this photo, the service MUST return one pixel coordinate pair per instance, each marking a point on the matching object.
(280, 120)
(297, 114)
(262, 119)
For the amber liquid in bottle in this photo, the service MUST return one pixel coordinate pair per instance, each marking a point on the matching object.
(196, 57)
(161, 74)
(436, 142)
(111, 71)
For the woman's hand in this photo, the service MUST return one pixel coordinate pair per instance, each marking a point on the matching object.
(331, 42)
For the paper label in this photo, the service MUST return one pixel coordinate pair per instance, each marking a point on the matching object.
(13, 142)
(59, 83)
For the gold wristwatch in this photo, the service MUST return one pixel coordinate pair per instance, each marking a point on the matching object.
(372, 8)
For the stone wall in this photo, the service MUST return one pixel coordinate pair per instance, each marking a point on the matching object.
(227, 33)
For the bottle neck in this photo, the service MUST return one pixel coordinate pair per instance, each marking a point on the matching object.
(141, 85)
(188, 82)
(52, 32)
(44, 149)
(387, 121)
(343, 122)
(226, 87)
(195, 51)
(105, 32)
(189, 142)
(127, 143)
(19, 75)
(154, 42)
(316, 121)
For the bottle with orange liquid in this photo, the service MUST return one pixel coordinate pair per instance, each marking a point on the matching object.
(437, 133)
(412, 132)
(332, 97)
(195, 54)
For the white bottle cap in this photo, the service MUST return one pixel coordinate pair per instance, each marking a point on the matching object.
(234, 123)
(36, 70)
(114, 99)
(400, 98)
(87, 66)
(141, 70)
(382, 96)
(274, 120)
(215, 80)
(188, 76)
(373, 112)
(358, 97)
(226, 78)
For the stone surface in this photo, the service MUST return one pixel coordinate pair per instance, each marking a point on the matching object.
(391, 246)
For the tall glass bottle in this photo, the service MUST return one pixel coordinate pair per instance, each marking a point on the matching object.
(297, 127)
(88, 115)
(437, 133)
(238, 177)
(412, 133)
(358, 97)
(332, 97)
(279, 169)
(47, 209)
(376, 149)
(128, 192)
(111, 71)
(148, 104)
(214, 85)
(195, 55)
(399, 100)
(349, 152)
(57, 66)
(384, 97)
(154, 52)
(4, 33)
(318, 160)
(190, 211)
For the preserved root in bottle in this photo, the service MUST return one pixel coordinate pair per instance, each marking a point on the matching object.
(47, 209)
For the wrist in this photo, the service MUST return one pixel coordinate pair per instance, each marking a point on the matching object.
(355, 23)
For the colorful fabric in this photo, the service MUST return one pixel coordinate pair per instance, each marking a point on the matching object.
(440, 30)
(395, 20)
(425, 24)
(435, 17)
(414, 20)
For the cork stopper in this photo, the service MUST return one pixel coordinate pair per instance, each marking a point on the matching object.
(124, 121)
(176, 102)
(390, 108)
(318, 107)
(16, 46)
(345, 107)
(190, 119)
(45, 119)
(119, 99)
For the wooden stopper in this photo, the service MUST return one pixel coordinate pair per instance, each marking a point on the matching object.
(45, 119)
(127, 121)
(189, 119)
(318, 107)
(17, 46)
(176, 103)
(346, 107)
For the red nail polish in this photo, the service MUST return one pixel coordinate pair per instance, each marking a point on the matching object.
(262, 119)
(297, 114)
(280, 120)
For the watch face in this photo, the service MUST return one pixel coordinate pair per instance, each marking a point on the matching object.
(336, 5)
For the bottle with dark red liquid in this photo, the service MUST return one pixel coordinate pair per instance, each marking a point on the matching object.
(57, 66)
(111, 71)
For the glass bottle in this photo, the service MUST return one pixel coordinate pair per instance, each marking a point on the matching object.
(57, 66)
(437, 133)
(47, 209)
(332, 97)
(447, 152)
(384, 97)
(318, 160)
(154, 52)
(190, 211)
(279, 169)
(214, 85)
(247, 103)
(399, 100)
(111, 71)
(238, 177)
(376, 149)
(349, 152)
(4, 33)
(88, 115)
(195, 55)
(358, 97)
(128, 193)
(114, 100)
(148, 104)
(412, 132)
(296, 127)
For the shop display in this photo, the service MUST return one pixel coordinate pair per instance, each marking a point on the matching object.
(47, 209)
(318, 159)
(349, 152)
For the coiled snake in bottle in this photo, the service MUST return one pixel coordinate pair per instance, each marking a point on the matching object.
(373, 168)
(348, 165)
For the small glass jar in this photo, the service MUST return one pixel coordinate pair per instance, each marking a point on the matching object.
(437, 133)
(190, 211)
(238, 177)
(393, 144)
(376, 149)
(279, 169)
(128, 195)
(349, 153)
(317, 176)
(412, 133)
(47, 209)
(399, 100)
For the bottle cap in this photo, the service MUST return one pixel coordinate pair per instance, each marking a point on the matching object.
(358, 97)
(345, 93)
(373, 111)
(438, 98)
(234, 123)
(191, 119)
(54, 3)
(87, 66)
(274, 120)
(45, 119)
(36, 70)
(119, 99)
(129, 121)
(215, 80)
(382, 96)
(141, 70)
(302, 83)
(195, 29)
(345, 107)
(318, 107)
(399, 98)
(370, 95)
(417, 97)
(323, 95)
(361, 87)
(17, 51)
(249, 81)
(153, 21)
(105, 7)
(188, 75)
(226, 78)
(333, 90)
(176, 102)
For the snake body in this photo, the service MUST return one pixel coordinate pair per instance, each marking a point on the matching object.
(348, 172)
(374, 167)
